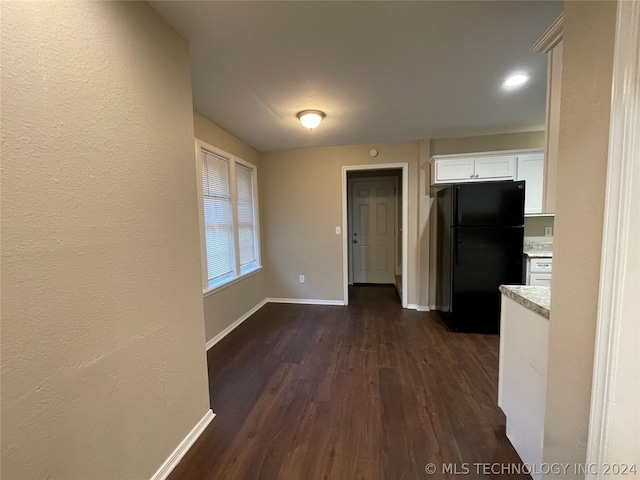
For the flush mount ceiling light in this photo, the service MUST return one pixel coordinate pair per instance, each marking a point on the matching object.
(516, 80)
(310, 118)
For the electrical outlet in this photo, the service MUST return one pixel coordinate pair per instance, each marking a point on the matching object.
(337, 230)
(548, 231)
(301, 278)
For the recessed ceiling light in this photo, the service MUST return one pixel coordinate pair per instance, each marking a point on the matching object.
(516, 80)
(311, 118)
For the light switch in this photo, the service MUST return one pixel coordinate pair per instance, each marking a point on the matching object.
(337, 230)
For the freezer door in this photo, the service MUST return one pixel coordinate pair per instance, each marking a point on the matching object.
(489, 204)
(483, 259)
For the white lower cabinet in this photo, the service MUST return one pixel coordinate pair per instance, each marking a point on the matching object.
(540, 279)
(522, 378)
(539, 271)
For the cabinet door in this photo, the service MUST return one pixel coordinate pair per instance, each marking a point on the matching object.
(455, 169)
(531, 170)
(498, 167)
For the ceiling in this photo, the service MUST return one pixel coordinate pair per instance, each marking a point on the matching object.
(381, 71)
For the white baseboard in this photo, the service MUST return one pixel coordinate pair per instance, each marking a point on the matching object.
(306, 301)
(235, 324)
(184, 446)
(419, 308)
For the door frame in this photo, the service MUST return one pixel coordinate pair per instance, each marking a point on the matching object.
(615, 379)
(404, 166)
(350, 183)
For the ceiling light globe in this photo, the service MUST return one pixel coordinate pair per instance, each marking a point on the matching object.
(515, 80)
(310, 118)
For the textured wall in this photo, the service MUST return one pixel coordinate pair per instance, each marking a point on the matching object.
(224, 307)
(534, 226)
(488, 143)
(103, 361)
(300, 195)
(589, 29)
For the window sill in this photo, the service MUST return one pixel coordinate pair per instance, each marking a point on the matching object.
(217, 288)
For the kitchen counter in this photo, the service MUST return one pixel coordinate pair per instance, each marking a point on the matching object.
(536, 299)
(538, 254)
(522, 376)
(537, 248)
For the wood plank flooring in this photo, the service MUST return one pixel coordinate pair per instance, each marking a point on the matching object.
(369, 391)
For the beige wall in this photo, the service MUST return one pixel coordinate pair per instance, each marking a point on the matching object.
(534, 226)
(589, 29)
(426, 229)
(300, 195)
(211, 133)
(224, 307)
(487, 143)
(103, 365)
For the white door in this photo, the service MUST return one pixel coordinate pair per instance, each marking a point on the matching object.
(373, 231)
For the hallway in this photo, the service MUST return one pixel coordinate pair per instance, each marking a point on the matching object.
(368, 391)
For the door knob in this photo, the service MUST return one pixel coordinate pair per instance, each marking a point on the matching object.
(355, 241)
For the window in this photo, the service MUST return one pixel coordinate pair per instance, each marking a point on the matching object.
(229, 217)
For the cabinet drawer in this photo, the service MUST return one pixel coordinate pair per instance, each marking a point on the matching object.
(540, 265)
(540, 279)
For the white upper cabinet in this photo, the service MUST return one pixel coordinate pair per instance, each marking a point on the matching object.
(526, 165)
(454, 170)
(495, 167)
(473, 168)
(530, 168)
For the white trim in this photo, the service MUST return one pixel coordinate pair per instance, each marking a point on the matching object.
(445, 156)
(170, 463)
(419, 308)
(235, 324)
(211, 291)
(306, 301)
(619, 279)
(233, 192)
(550, 37)
(405, 224)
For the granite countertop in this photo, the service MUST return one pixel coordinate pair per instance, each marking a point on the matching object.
(534, 298)
(538, 249)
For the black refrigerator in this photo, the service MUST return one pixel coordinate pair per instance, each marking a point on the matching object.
(480, 235)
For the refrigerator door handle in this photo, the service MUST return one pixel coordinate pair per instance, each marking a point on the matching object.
(457, 242)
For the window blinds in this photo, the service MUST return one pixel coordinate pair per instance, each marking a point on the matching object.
(217, 215)
(246, 215)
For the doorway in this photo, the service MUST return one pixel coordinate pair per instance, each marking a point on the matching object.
(375, 203)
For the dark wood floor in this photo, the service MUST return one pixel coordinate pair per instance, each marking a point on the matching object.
(369, 391)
